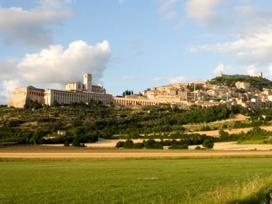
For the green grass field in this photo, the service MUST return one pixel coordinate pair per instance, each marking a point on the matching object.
(217, 180)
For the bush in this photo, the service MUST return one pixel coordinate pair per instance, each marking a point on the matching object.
(208, 143)
(268, 140)
(37, 137)
(205, 128)
(197, 148)
(13, 123)
(77, 142)
(138, 145)
(152, 144)
(223, 134)
(180, 146)
(128, 144)
(66, 143)
(91, 137)
(120, 144)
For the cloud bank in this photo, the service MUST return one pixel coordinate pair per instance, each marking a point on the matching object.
(252, 48)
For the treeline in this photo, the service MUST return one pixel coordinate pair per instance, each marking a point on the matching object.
(207, 142)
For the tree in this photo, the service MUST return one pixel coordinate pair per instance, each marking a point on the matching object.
(76, 141)
(128, 144)
(37, 136)
(208, 143)
(223, 134)
(152, 144)
(127, 93)
(119, 144)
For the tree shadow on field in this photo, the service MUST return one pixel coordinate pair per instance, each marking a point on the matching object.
(263, 196)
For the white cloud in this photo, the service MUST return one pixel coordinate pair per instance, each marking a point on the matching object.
(219, 70)
(203, 10)
(269, 73)
(166, 9)
(33, 26)
(170, 79)
(253, 48)
(228, 69)
(252, 71)
(177, 79)
(57, 65)
(7, 87)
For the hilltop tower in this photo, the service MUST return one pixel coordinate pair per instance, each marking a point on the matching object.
(87, 82)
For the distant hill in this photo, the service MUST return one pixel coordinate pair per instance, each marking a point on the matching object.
(230, 80)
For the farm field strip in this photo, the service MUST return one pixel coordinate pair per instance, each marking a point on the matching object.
(136, 154)
(216, 180)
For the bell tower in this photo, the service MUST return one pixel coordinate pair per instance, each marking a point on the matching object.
(87, 82)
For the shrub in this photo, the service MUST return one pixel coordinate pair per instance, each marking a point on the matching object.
(197, 148)
(120, 144)
(13, 123)
(152, 144)
(180, 146)
(138, 145)
(208, 143)
(206, 128)
(37, 136)
(223, 134)
(268, 140)
(91, 137)
(77, 142)
(66, 143)
(128, 144)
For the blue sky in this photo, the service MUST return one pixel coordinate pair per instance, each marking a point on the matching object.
(131, 44)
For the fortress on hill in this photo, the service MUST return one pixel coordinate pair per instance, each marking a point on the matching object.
(75, 92)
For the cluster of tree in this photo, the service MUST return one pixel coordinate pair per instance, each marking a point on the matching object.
(193, 87)
(76, 136)
(147, 144)
(261, 114)
(18, 136)
(172, 144)
(230, 80)
(127, 93)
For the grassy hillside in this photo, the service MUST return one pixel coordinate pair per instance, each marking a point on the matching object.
(135, 181)
(84, 123)
(230, 80)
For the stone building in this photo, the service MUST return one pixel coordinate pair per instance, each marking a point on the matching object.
(76, 92)
(242, 85)
(22, 96)
(52, 97)
(124, 101)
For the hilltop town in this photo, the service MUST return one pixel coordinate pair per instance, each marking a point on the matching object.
(243, 90)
